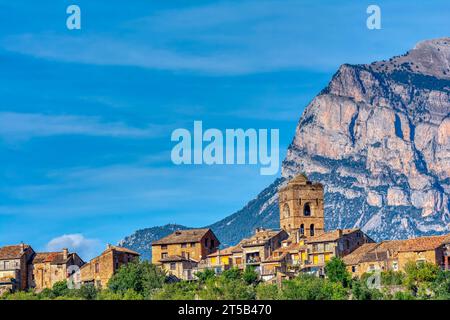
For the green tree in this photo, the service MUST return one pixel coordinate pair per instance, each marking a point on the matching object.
(87, 292)
(310, 287)
(336, 271)
(60, 289)
(183, 290)
(205, 275)
(250, 276)
(141, 277)
(420, 277)
(267, 291)
(232, 274)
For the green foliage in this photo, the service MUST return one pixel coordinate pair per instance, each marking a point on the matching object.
(205, 275)
(360, 290)
(86, 292)
(419, 276)
(250, 276)
(140, 277)
(309, 287)
(226, 287)
(20, 295)
(267, 291)
(336, 271)
(60, 289)
(392, 278)
(182, 290)
(232, 274)
(441, 286)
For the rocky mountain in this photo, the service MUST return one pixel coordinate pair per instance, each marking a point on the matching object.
(378, 138)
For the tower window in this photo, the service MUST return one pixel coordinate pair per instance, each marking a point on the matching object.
(307, 210)
(286, 212)
(302, 229)
(311, 230)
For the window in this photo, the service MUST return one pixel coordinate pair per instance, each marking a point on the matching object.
(307, 210)
(173, 266)
(353, 268)
(97, 268)
(193, 245)
(164, 246)
(286, 211)
(164, 255)
(183, 254)
(206, 242)
(311, 230)
(302, 229)
(184, 245)
(212, 243)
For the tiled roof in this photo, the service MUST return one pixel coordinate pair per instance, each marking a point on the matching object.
(387, 249)
(260, 238)
(223, 252)
(422, 243)
(359, 253)
(182, 236)
(330, 236)
(49, 257)
(122, 249)
(12, 252)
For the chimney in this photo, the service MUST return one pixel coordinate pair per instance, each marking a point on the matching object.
(340, 233)
(108, 246)
(22, 247)
(65, 253)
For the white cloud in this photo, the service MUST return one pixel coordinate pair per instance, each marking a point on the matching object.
(84, 247)
(24, 126)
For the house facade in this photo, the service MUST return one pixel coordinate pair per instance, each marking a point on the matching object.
(100, 269)
(180, 253)
(14, 267)
(47, 268)
(394, 255)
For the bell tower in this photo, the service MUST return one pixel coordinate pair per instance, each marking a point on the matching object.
(301, 207)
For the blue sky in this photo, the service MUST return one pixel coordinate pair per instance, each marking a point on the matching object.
(86, 115)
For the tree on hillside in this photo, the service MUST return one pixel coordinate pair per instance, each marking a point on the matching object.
(141, 277)
(336, 271)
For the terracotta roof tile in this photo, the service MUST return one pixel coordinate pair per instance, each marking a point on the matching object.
(182, 236)
(12, 252)
(330, 236)
(359, 253)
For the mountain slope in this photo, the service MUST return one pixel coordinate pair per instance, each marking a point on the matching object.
(378, 138)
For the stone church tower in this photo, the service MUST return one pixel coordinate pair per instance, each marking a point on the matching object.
(301, 207)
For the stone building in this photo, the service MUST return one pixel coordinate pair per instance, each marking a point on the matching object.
(100, 269)
(180, 253)
(395, 254)
(222, 259)
(336, 243)
(301, 207)
(261, 246)
(14, 266)
(47, 268)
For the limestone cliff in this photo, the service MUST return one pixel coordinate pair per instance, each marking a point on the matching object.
(378, 137)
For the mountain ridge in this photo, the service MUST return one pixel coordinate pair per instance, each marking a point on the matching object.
(378, 137)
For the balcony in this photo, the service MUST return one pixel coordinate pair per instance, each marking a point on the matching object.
(253, 260)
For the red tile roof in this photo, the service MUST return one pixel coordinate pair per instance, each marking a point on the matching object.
(183, 236)
(12, 252)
